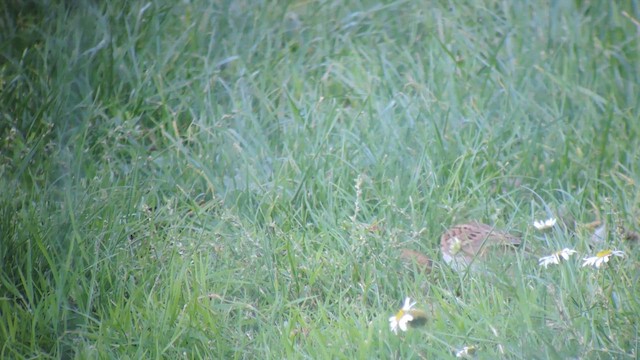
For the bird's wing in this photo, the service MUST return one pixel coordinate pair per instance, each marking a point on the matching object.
(476, 236)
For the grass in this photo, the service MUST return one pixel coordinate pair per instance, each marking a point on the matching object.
(235, 179)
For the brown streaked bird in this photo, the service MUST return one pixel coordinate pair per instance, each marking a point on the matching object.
(467, 244)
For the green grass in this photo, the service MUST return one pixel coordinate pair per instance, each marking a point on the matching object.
(234, 179)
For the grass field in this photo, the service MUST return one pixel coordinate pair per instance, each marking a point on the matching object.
(236, 179)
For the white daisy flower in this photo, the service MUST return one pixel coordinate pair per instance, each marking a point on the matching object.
(601, 258)
(544, 224)
(402, 317)
(466, 352)
(555, 257)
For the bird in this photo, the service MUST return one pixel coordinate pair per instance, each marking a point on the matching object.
(468, 245)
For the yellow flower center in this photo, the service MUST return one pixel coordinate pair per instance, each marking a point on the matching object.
(400, 314)
(456, 246)
(603, 253)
